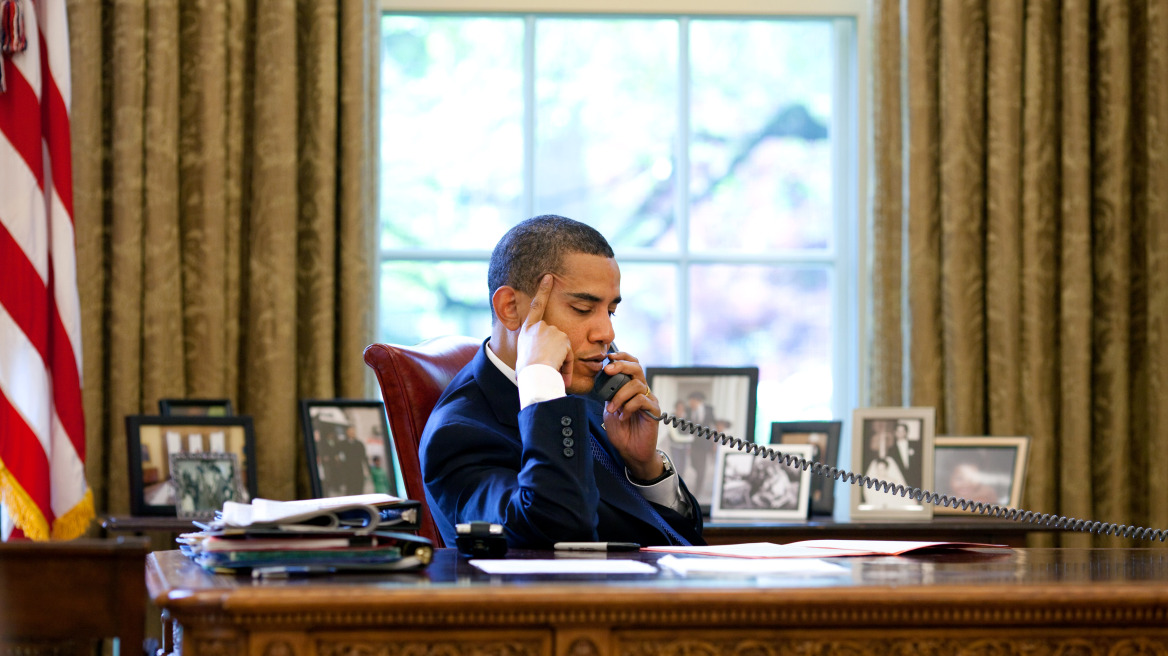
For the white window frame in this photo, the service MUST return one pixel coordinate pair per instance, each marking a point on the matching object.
(849, 372)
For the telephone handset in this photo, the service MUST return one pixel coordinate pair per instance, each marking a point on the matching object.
(606, 386)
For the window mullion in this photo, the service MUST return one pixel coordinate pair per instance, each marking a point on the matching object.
(529, 115)
(682, 352)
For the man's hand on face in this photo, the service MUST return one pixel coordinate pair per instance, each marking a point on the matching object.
(540, 342)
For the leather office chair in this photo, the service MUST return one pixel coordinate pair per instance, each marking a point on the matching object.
(412, 378)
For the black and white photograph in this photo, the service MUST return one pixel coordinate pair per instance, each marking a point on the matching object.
(824, 437)
(349, 448)
(719, 398)
(203, 482)
(894, 445)
(152, 439)
(755, 487)
(981, 469)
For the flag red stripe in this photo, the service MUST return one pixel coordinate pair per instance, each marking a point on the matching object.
(24, 294)
(67, 385)
(56, 132)
(23, 456)
(20, 120)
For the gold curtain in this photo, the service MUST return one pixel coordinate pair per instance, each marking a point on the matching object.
(224, 188)
(1019, 232)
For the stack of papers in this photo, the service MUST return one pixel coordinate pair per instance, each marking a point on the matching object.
(278, 538)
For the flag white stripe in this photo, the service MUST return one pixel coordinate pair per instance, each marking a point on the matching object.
(22, 209)
(52, 15)
(66, 470)
(23, 379)
(65, 290)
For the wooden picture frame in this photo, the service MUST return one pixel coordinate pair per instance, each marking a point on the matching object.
(894, 445)
(720, 398)
(203, 482)
(755, 487)
(349, 448)
(980, 468)
(195, 407)
(152, 439)
(824, 437)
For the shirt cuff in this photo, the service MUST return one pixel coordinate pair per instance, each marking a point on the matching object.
(538, 383)
(666, 492)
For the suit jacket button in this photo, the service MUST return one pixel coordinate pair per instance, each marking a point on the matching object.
(565, 421)
(569, 452)
(566, 432)
(569, 441)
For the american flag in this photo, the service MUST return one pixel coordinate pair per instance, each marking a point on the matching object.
(42, 426)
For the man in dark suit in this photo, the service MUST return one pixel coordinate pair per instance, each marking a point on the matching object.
(904, 454)
(514, 440)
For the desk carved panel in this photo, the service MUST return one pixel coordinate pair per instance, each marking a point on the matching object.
(444, 643)
(894, 645)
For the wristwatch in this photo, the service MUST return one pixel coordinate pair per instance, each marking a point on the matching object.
(666, 462)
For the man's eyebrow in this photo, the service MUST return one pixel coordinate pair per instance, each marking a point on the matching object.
(591, 298)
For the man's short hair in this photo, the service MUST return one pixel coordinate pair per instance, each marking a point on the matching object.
(538, 246)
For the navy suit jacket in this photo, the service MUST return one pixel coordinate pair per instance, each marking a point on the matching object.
(532, 470)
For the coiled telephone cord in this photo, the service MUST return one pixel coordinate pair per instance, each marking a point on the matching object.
(915, 493)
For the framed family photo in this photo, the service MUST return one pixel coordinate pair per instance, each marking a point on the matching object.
(893, 445)
(204, 481)
(152, 440)
(824, 438)
(195, 407)
(987, 469)
(754, 487)
(719, 398)
(348, 447)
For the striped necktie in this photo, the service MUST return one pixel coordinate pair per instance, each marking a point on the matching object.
(601, 455)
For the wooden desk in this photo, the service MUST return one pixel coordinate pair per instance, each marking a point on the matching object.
(62, 597)
(940, 529)
(1038, 601)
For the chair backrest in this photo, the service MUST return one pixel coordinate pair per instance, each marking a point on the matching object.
(61, 597)
(411, 379)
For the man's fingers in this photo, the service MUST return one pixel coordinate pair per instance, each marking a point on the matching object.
(539, 301)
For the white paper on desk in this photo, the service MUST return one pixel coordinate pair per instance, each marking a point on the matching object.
(770, 567)
(563, 566)
(819, 548)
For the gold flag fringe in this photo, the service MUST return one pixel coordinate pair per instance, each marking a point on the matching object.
(28, 517)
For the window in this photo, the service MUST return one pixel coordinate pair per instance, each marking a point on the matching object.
(718, 154)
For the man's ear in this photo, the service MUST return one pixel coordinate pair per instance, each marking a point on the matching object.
(508, 310)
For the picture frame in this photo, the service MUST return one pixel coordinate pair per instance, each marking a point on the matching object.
(204, 482)
(195, 407)
(152, 439)
(755, 487)
(349, 448)
(720, 398)
(985, 468)
(824, 436)
(894, 445)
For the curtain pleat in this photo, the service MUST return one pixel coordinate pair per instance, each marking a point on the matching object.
(885, 345)
(1036, 286)
(926, 375)
(961, 257)
(1156, 249)
(1074, 483)
(223, 181)
(1003, 255)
